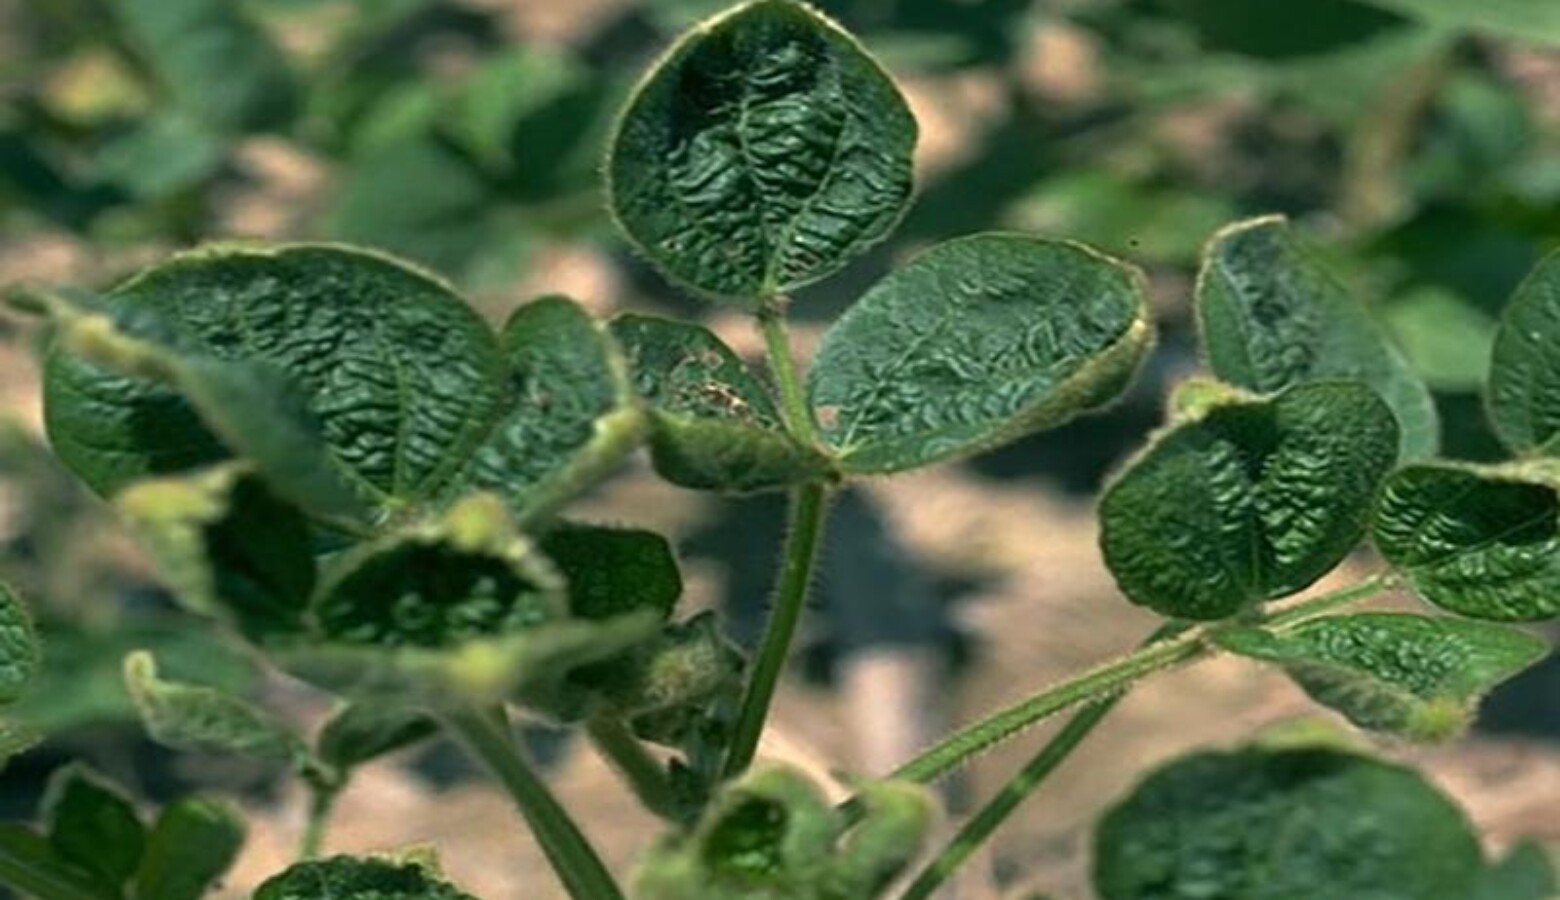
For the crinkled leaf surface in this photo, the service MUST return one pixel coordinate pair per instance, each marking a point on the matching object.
(613, 571)
(1283, 824)
(1253, 500)
(358, 732)
(196, 717)
(714, 425)
(1272, 316)
(359, 878)
(763, 152)
(567, 415)
(192, 844)
(226, 546)
(92, 825)
(1524, 20)
(19, 652)
(974, 343)
(1481, 541)
(1524, 388)
(1411, 675)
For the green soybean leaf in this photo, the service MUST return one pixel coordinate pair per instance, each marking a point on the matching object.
(763, 152)
(974, 343)
(19, 653)
(614, 571)
(1272, 316)
(1525, 364)
(92, 826)
(196, 717)
(1480, 541)
(192, 844)
(1252, 500)
(1526, 873)
(1523, 20)
(216, 63)
(359, 878)
(1263, 825)
(567, 417)
(29, 864)
(1411, 675)
(16, 738)
(226, 546)
(399, 375)
(356, 733)
(714, 425)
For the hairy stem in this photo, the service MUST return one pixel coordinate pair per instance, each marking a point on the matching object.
(793, 404)
(644, 774)
(487, 735)
(954, 750)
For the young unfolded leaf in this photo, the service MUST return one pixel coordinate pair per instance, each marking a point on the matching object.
(1524, 389)
(1272, 316)
(226, 546)
(360, 878)
(613, 571)
(1411, 675)
(19, 654)
(192, 844)
(567, 415)
(1251, 501)
(714, 425)
(1481, 541)
(92, 826)
(1281, 824)
(974, 343)
(763, 152)
(196, 717)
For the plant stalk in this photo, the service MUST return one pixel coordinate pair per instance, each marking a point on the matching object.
(644, 774)
(793, 403)
(322, 802)
(581, 870)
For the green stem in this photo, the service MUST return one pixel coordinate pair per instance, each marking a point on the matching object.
(580, 869)
(644, 774)
(322, 802)
(809, 507)
(954, 750)
(793, 404)
(984, 823)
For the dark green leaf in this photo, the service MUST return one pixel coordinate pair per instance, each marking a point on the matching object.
(92, 826)
(714, 425)
(614, 571)
(1524, 397)
(194, 841)
(358, 732)
(1278, 825)
(19, 653)
(1272, 316)
(1525, 20)
(974, 343)
(29, 864)
(763, 152)
(161, 156)
(1250, 501)
(359, 878)
(1412, 675)
(226, 547)
(1477, 540)
(1526, 873)
(567, 417)
(1282, 31)
(195, 717)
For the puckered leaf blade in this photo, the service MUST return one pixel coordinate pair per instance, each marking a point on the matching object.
(197, 717)
(1250, 500)
(1272, 316)
(974, 343)
(360, 878)
(763, 152)
(1411, 675)
(1269, 824)
(1524, 386)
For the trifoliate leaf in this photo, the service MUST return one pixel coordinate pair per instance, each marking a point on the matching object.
(1524, 404)
(19, 652)
(359, 878)
(196, 717)
(193, 843)
(92, 826)
(1251, 501)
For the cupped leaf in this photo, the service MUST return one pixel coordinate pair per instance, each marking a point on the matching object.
(19, 653)
(356, 733)
(1270, 824)
(567, 415)
(614, 571)
(402, 377)
(1481, 541)
(1524, 388)
(763, 152)
(192, 844)
(196, 717)
(360, 878)
(1411, 675)
(1251, 500)
(1272, 316)
(714, 425)
(226, 546)
(92, 825)
(974, 343)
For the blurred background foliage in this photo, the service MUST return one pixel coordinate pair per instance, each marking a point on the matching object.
(1419, 139)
